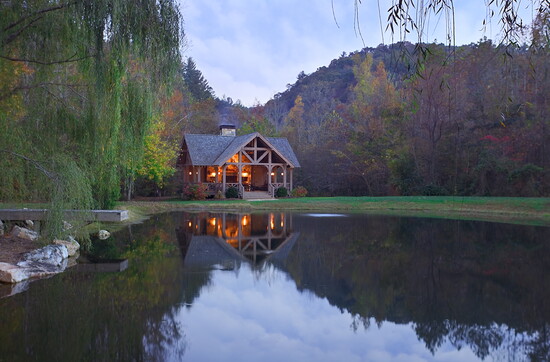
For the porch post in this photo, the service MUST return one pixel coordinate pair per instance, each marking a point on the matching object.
(224, 167)
(290, 170)
(285, 184)
(240, 174)
(199, 174)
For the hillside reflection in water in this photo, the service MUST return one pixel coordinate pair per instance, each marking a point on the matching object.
(295, 287)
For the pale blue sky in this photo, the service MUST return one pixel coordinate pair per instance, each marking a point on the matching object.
(251, 49)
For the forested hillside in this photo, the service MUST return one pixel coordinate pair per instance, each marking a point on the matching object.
(93, 107)
(468, 120)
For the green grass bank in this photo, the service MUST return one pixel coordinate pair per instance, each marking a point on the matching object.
(532, 211)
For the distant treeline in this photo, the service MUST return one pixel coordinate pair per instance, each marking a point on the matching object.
(410, 120)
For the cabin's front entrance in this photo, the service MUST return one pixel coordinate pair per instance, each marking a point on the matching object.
(259, 179)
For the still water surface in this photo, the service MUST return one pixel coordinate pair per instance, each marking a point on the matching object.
(294, 287)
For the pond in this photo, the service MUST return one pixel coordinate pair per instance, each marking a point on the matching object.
(294, 287)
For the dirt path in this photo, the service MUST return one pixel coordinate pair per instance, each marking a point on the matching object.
(11, 248)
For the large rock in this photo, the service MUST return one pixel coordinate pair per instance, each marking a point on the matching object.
(24, 233)
(72, 245)
(49, 257)
(103, 234)
(10, 273)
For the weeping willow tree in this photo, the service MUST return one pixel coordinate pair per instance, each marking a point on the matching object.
(79, 82)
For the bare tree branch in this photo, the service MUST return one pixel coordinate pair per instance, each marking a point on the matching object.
(51, 175)
(69, 60)
(41, 85)
(13, 36)
(39, 12)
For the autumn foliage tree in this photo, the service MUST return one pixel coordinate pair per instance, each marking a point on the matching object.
(85, 77)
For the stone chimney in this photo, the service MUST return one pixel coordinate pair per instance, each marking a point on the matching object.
(228, 130)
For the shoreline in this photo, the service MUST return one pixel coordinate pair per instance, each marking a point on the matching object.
(523, 211)
(515, 210)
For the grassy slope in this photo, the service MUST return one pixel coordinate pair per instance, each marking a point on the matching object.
(535, 211)
(503, 209)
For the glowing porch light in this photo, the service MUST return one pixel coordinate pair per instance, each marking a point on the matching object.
(190, 172)
(273, 174)
(213, 174)
(213, 221)
(245, 174)
(190, 224)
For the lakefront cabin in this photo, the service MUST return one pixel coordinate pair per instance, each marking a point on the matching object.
(253, 164)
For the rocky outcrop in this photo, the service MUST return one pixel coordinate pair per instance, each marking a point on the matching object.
(23, 233)
(49, 260)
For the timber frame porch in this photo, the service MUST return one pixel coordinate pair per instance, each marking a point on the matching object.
(248, 163)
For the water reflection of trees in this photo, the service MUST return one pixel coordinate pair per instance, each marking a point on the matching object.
(476, 284)
(480, 285)
(107, 316)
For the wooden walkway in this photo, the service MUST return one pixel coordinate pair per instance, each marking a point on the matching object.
(40, 214)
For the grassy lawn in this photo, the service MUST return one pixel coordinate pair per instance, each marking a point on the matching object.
(535, 211)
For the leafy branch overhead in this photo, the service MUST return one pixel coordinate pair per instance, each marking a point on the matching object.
(81, 81)
(406, 17)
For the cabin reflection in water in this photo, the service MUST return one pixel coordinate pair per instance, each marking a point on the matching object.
(208, 239)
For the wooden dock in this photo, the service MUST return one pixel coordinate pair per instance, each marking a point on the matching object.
(84, 215)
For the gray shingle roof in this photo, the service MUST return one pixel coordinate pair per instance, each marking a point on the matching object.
(206, 150)
(233, 147)
(206, 251)
(282, 145)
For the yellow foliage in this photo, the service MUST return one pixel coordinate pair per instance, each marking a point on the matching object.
(159, 157)
(11, 77)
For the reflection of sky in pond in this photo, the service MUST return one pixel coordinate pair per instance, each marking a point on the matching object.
(246, 316)
(326, 215)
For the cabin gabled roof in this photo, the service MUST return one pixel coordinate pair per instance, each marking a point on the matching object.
(281, 144)
(209, 150)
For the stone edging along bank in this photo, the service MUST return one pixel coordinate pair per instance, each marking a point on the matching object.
(49, 260)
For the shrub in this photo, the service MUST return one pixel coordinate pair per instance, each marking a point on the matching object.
(232, 193)
(281, 192)
(299, 191)
(195, 191)
(434, 190)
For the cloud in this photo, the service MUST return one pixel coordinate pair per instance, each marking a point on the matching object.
(257, 47)
(260, 43)
(249, 318)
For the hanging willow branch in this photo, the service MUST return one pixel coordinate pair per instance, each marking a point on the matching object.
(71, 59)
(49, 174)
(120, 54)
(408, 16)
